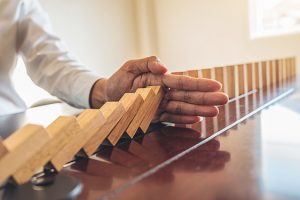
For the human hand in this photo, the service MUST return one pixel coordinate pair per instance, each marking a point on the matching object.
(186, 98)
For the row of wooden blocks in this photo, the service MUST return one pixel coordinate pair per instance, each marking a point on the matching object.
(30, 148)
(242, 78)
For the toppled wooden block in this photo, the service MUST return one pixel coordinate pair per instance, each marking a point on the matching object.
(148, 96)
(159, 93)
(112, 112)
(89, 122)
(22, 145)
(60, 132)
(131, 103)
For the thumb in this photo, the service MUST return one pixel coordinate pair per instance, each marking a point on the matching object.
(150, 64)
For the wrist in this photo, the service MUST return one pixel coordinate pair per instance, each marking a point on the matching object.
(98, 94)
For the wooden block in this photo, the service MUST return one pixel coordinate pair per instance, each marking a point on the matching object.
(112, 112)
(177, 73)
(264, 73)
(3, 149)
(219, 76)
(241, 79)
(21, 146)
(89, 122)
(256, 75)
(193, 73)
(60, 132)
(206, 73)
(159, 93)
(272, 72)
(277, 72)
(230, 81)
(249, 67)
(131, 103)
(148, 96)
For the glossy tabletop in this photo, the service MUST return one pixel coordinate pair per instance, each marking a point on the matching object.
(250, 151)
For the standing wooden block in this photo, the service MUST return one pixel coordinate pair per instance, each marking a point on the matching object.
(131, 103)
(21, 146)
(272, 72)
(193, 73)
(112, 112)
(148, 96)
(230, 81)
(257, 76)
(219, 76)
(159, 93)
(241, 79)
(206, 73)
(249, 67)
(89, 122)
(3, 149)
(264, 73)
(277, 71)
(60, 131)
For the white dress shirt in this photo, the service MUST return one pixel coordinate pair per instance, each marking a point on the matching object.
(25, 31)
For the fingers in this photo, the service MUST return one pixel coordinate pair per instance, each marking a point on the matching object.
(199, 98)
(182, 108)
(180, 82)
(179, 119)
(150, 64)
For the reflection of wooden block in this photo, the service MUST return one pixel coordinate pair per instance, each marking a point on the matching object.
(89, 122)
(21, 146)
(148, 96)
(193, 73)
(112, 112)
(158, 91)
(241, 79)
(60, 132)
(131, 103)
(3, 149)
(230, 81)
(249, 67)
(219, 76)
(206, 73)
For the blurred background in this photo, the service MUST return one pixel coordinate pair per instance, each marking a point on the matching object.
(185, 34)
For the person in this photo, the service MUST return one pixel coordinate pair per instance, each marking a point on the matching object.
(25, 31)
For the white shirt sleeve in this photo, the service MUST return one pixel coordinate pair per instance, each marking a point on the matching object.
(48, 62)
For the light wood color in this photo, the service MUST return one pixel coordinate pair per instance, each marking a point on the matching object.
(21, 146)
(131, 103)
(277, 71)
(177, 73)
(89, 122)
(193, 73)
(60, 132)
(249, 67)
(230, 81)
(264, 73)
(3, 149)
(206, 73)
(256, 75)
(241, 79)
(159, 93)
(219, 76)
(112, 112)
(148, 96)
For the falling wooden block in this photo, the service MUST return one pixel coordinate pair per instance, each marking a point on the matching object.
(89, 122)
(21, 146)
(206, 73)
(131, 103)
(230, 81)
(219, 76)
(3, 149)
(193, 73)
(241, 79)
(60, 131)
(148, 96)
(159, 93)
(249, 67)
(112, 112)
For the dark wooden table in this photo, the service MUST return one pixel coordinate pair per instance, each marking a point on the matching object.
(250, 151)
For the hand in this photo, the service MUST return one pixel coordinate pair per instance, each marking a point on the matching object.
(186, 98)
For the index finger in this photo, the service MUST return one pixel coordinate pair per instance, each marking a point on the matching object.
(181, 82)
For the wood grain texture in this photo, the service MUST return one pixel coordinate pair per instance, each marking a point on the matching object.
(241, 79)
(60, 132)
(159, 93)
(230, 81)
(219, 76)
(148, 96)
(89, 122)
(131, 103)
(112, 112)
(21, 146)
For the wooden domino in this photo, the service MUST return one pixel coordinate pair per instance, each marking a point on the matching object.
(21, 146)
(112, 112)
(219, 76)
(241, 79)
(249, 67)
(193, 73)
(3, 149)
(159, 93)
(230, 81)
(60, 132)
(89, 122)
(148, 96)
(131, 103)
(206, 73)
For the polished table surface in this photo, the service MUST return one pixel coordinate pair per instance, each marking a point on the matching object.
(250, 151)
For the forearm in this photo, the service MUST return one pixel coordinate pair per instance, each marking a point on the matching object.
(98, 93)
